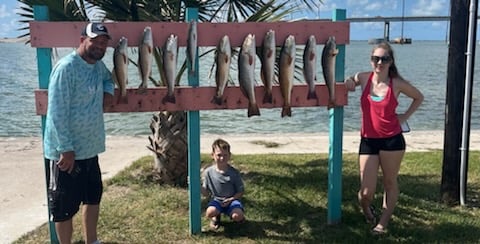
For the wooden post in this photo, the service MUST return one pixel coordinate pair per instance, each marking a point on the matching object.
(450, 184)
(44, 67)
(193, 133)
(334, 204)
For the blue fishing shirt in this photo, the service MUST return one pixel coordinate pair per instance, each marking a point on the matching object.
(75, 108)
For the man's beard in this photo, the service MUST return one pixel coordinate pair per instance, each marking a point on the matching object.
(96, 54)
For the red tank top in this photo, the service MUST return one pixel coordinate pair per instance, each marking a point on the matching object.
(379, 118)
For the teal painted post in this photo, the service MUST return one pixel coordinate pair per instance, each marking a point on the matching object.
(193, 131)
(335, 137)
(44, 67)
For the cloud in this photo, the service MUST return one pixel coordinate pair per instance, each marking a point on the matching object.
(4, 11)
(429, 8)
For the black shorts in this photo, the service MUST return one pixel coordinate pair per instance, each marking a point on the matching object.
(375, 145)
(67, 191)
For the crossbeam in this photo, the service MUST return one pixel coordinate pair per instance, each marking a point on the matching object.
(199, 98)
(46, 34)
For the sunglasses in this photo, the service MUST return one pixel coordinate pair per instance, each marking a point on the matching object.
(385, 59)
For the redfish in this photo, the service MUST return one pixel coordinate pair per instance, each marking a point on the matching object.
(120, 68)
(329, 55)
(286, 75)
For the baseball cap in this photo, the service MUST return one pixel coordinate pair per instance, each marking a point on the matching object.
(93, 30)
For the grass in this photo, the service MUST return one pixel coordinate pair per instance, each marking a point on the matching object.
(286, 202)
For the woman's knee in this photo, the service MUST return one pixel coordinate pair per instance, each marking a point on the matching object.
(390, 184)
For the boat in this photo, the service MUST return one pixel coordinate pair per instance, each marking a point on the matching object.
(375, 40)
(402, 40)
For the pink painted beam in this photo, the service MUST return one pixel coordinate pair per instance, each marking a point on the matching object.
(199, 98)
(47, 34)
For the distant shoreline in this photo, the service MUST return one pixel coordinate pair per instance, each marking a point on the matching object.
(13, 40)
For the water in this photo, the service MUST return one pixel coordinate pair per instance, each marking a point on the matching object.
(424, 63)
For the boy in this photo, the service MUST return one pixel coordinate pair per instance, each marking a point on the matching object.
(224, 185)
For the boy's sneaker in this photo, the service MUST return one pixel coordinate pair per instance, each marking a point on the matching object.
(215, 222)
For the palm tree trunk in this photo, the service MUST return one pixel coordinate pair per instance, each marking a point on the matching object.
(168, 142)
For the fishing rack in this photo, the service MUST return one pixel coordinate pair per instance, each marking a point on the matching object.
(45, 35)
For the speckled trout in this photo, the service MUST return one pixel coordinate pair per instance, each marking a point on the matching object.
(145, 55)
(223, 57)
(192, 45)
(246, 73)
(170, 67)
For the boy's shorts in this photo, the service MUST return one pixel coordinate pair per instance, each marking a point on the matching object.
(67, 191)
(226, 210)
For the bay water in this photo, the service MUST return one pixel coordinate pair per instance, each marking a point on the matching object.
(423, 63)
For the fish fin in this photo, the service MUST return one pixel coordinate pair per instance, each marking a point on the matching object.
(290, 59)
(312, 95)
(250, 59)
(217, 100)
(332, 103)
(268, 98)
(286, 111)
(269, 53)
(262, 75)
(142, 89)
(169, 98)
(253, 110)
(311, 56)
(335, 52)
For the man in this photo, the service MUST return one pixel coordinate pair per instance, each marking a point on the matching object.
(80, 84)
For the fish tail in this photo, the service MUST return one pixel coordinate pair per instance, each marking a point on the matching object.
(332, 103)
(169, 99)
(312, 95)
(142, 89)
(253, 110)
(122, 99)
(268, 98)
(286, 111)
(217, 100)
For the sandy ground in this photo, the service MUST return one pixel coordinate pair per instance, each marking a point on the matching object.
(22, 183)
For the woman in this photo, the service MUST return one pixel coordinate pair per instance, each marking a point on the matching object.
(382, 143)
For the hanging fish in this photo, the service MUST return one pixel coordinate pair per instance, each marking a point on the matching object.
(120, 68)
(170, 67)
(310, 66)
(192, 45)
(286, 75)
(246, 73)
(268, 64)
(145, 55)
(329, 55)
(222, 61)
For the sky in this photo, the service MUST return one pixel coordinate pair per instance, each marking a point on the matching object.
(438, 30)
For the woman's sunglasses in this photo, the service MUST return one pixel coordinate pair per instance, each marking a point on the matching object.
(385, 59)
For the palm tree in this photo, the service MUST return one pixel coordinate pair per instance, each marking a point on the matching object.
(169, 135)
